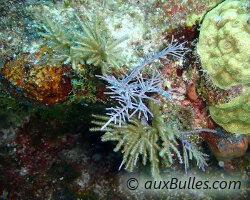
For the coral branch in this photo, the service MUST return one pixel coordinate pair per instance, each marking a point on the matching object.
(132, 91)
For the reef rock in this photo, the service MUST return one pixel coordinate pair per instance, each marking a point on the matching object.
(45, 84)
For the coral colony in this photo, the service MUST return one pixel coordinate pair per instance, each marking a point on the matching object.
(224, 51)
(133, 92)
(89, 46)
(166, 83)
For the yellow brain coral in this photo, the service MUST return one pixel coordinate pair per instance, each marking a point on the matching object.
(224, 44)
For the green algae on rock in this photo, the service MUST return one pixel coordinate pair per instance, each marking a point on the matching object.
(234, 115)
(224, 44)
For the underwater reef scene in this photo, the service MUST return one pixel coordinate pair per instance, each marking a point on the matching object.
(124, 99)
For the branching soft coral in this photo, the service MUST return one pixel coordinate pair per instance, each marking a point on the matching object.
(131, 91)
(90, 45)
(96, 49)
(59, 39)
(134, 139)
(157, 142)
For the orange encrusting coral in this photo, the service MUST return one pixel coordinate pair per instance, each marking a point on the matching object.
(46, 84)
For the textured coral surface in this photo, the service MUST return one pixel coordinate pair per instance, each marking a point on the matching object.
(224, 44)
(234, 115)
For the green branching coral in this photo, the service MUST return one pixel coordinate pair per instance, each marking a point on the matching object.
(96, 49)
(156, 143)
(59, 39)
(134, 140)
(90, 46)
